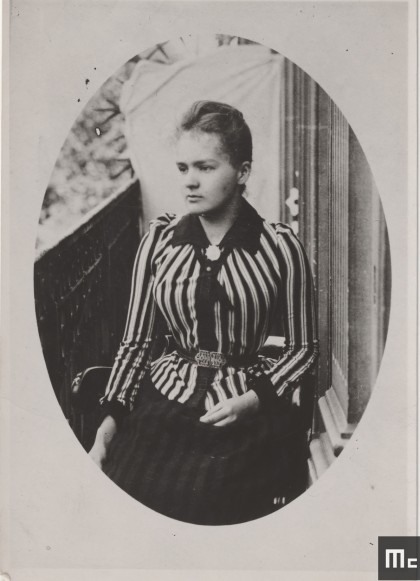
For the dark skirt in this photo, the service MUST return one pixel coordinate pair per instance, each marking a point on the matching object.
(171, 462)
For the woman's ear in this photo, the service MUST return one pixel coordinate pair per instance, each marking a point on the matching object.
(244, 171)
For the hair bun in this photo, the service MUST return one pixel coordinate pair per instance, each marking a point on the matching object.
(226, 122)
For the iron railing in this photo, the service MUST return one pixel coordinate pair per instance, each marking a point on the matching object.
(82, 287)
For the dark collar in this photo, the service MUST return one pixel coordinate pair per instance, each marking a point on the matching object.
(244, 233)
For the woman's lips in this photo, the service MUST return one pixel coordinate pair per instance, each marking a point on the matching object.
(194, 198)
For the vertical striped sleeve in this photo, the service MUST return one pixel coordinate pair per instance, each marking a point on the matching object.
(298, 313)
(134, 354)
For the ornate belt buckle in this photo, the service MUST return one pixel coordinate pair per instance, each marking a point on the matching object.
(210, 359)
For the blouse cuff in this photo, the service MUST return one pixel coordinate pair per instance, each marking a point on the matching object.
(115, 409)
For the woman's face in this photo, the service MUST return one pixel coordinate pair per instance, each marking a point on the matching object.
(210, 183)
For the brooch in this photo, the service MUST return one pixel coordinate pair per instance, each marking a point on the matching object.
(213, 252)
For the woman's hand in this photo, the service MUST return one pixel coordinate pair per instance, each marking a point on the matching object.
(232, 410)
(104, 435)
(98, 453)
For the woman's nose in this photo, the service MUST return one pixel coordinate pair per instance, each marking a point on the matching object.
(191, 180)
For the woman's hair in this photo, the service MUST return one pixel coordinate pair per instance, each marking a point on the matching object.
(226, 122)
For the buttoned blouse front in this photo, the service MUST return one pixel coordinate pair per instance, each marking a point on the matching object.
(227, 305)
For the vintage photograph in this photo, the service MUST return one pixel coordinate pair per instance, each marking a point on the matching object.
(212, 279)
(209, 261)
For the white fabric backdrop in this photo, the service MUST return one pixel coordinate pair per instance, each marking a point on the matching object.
(153, 100)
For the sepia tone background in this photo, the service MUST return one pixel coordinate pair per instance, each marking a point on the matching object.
(367, 490)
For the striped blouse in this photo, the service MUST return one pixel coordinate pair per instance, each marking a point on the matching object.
(226, 305)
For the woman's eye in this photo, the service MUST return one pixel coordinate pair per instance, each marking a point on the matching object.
(182, 169)
(207, 168)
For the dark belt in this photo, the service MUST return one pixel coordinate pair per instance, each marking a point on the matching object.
(216, 360)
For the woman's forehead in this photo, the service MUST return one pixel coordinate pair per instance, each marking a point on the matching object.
(195, 145)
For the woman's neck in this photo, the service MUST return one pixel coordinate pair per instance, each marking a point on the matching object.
(217, 225)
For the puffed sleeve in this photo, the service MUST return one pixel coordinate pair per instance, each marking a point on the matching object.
(134, 354)
(298, 313)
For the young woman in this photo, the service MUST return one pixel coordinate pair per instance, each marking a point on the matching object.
(209, 433)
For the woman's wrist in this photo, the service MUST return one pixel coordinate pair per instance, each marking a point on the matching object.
(253, 400)
(114, 408)
(106, 430)
(263, 388)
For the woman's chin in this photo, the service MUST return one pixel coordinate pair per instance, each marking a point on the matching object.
(195, 208)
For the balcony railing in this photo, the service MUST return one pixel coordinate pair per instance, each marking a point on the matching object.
(82, 287)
